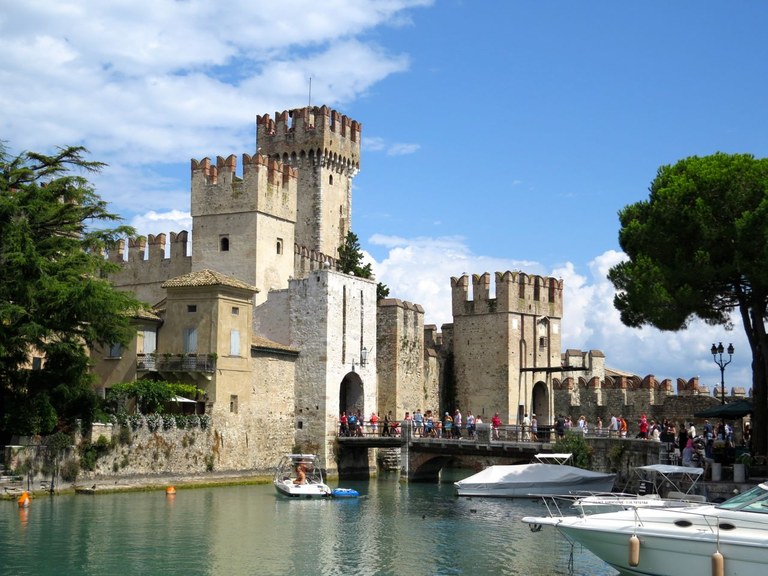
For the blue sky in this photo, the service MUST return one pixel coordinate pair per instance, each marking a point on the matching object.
(497, 135)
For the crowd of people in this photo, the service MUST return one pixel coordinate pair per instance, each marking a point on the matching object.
(427, 424)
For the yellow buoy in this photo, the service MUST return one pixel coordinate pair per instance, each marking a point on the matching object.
(24, 499)
(634, 550)
(718, 564)
(170, 491)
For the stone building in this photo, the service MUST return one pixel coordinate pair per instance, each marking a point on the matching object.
(257, 316)
(505, 348)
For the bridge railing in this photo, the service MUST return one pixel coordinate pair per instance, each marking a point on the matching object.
(483, 432)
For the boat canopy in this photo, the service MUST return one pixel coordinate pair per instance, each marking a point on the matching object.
(675, 476)
(553, 458)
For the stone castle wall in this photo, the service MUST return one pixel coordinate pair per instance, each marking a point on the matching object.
(400, 366)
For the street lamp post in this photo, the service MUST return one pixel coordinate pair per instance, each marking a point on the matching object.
(717, 356)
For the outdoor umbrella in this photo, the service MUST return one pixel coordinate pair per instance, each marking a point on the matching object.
(734, 410)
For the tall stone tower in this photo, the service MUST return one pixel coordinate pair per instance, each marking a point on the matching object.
(507, 348)
(324, 146)
(243, 226)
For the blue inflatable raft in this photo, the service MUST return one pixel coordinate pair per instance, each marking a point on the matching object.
(344, 493)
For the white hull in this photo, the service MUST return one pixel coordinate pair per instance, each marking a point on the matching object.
(663, 554)
(675, 541)
(288, 488)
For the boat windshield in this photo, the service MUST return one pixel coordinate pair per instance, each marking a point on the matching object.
(753, 500)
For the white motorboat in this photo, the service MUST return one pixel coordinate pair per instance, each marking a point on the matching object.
(727, 539)
(300, 476)
(531, 480)
(658, 485)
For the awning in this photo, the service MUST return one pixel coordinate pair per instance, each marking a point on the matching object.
(182, 399)
(733, 410)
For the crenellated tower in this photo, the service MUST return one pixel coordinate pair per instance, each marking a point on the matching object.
(243, 225)
(506, 346)
(324, 146)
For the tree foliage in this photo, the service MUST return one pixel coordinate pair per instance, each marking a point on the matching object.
(351, 262)
(698, 247)
(54, 299)
(151, 395)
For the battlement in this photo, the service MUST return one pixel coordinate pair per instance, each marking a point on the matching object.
(316, 134)
(306, 260)
(225, 170)
(144, 266)
(515, 292)
(266, 185)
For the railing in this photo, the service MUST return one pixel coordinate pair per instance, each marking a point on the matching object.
(482, 432)
(147, 362)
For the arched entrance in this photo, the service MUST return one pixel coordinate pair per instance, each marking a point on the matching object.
(540, 403)
(351, 398)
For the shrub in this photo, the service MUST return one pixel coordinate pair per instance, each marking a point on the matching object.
(205, 421)
(69, 470)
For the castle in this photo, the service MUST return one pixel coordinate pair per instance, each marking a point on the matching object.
(257, 316)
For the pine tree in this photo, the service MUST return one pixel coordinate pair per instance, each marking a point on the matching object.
(54, 299)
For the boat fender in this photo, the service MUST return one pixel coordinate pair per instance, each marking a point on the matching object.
(634, 550)
(718, 564)
(24, 500)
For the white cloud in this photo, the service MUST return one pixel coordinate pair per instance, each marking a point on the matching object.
(419, 270)
(158, 222)
(147, 83)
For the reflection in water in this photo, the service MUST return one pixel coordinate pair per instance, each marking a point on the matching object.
(393, 528)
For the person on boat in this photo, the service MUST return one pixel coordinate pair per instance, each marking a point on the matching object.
(301, 475)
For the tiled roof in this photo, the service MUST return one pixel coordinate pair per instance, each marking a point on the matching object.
(260, 342)
(206, 278)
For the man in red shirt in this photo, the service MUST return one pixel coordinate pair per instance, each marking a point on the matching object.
(495, 424)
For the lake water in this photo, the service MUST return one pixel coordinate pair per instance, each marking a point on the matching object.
(394, 528)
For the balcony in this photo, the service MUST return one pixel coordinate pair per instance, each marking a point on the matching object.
(203, 364)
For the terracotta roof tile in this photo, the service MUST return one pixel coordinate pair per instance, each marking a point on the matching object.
(206, 278)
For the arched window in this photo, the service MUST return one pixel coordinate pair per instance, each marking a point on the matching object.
(224, 244)
(330, 179)
(279, 246)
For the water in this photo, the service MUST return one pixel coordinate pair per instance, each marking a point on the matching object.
(394, 528)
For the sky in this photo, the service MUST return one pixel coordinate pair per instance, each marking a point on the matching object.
(497, 135)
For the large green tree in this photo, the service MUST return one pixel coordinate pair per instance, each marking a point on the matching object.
(351, 262)
(54, 299)
(698, 247)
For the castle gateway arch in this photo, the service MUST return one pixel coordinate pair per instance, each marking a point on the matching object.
(351, 394)
(540, 403)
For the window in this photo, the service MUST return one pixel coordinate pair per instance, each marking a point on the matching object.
(330, 179)
(233, 403)
(234, 343)
(542, 341)
(148, 342)
(191, 307)
(190, 341)
(235, 311)
(279, 247)
(115, 351)
(224, 244)
(37, 363)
